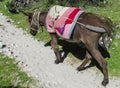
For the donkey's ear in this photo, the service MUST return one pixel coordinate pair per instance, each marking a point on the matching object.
(27, 13)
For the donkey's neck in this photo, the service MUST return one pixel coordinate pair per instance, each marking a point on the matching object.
(43, 17)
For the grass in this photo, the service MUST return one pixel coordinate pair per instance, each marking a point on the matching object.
(11, 75)
(113, 63)
(111, 10)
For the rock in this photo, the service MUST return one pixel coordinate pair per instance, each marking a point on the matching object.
(1, 44)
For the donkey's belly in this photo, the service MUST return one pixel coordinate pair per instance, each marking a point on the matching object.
(76, 41)
(72, 41)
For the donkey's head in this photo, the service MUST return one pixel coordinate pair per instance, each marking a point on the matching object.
(35, 21)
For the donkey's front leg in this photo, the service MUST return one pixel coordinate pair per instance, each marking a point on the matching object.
(54, 45)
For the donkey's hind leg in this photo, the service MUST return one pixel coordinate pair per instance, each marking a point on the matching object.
(87, 58)
(93, 49)
(54, 45)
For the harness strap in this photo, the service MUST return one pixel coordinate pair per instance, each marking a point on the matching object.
(33, 29)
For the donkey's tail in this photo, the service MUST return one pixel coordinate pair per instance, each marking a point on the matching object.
(108, 26)
(106, 37)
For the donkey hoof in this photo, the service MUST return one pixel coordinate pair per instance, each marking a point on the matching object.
(80, 68)
(105, 82)
(57, 61)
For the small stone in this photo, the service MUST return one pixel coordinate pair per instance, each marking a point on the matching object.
(11, 52)
(1, 45)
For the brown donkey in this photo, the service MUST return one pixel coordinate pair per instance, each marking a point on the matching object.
(90, 38)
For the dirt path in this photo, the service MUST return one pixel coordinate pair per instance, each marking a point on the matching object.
(38, 61)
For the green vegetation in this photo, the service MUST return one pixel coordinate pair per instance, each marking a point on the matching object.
(11, 76)
(110, 9)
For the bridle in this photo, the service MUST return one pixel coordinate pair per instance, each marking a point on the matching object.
(35, 20)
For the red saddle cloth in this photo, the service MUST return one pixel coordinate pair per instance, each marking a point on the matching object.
(62, 20)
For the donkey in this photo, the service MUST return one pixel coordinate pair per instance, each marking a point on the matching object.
(81, 33)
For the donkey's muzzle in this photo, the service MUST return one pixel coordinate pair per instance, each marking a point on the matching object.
(33, 32)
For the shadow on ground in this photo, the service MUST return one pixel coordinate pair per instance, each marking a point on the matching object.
(79, 51)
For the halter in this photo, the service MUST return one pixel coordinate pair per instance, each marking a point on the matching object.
(35, 19)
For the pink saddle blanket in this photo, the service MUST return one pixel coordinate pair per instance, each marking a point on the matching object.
(62, 20)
